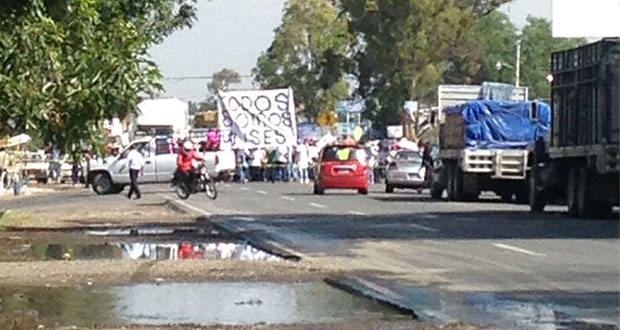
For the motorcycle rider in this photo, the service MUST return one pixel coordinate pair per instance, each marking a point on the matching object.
(185, 163)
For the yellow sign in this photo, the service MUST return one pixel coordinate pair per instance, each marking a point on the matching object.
(327, 118)
(357, 133)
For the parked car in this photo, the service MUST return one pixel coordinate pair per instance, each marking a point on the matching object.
(36, 166)
(160, 165)
(342, 166)
(405, 172)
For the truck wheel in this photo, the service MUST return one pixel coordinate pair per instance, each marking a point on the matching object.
(536, 194)
(455, 192)
(436, 190)
(506, 196)
(582, 200)
(523, 196)
(449, 171)
(102, 184)
(571, 190)
(389, 188)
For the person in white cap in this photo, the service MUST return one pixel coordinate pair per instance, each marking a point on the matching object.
(185, 162)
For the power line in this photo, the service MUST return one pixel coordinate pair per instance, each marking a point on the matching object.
(209, 77)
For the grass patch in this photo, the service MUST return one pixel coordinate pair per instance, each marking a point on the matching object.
(11, 218)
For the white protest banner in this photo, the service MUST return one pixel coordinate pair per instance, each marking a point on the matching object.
(257, 119)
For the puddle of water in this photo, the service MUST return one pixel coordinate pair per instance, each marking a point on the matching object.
(197, 303)
(149, 251)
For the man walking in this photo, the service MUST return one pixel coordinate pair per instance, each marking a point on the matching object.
(135, 163)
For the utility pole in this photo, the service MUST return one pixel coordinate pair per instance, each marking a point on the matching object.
(518, 63)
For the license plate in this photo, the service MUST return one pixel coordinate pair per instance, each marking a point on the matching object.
(343, 171)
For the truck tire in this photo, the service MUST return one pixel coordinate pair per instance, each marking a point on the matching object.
(450, 181)
(436, 190)
(536, 192)
(583, 204)
(571, 190)
(102, 184)
(388, 188)
(455, 183)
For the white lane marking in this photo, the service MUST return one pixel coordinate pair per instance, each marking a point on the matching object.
(518, 249)
(357, 213)
(244, 218)
(245, 188)
(321, 206)
(262, 192)
(415, 225)
(288, 198)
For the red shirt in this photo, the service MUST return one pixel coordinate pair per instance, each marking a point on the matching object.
(184, 161)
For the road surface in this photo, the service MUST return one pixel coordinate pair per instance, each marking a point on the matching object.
(486, 262)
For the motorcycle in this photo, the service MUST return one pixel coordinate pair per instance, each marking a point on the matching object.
(202, 182)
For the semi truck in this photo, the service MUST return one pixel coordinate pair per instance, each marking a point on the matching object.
(484, 146)
(579, 165)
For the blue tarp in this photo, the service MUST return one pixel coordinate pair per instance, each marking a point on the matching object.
(501, 124)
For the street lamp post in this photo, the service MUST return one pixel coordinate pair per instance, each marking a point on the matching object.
(518, 63)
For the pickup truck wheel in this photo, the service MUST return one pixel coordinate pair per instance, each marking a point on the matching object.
(117, 189)
(102, 184)
(389, 188)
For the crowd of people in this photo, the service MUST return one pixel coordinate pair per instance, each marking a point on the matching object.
(298, 163)
(281, 164)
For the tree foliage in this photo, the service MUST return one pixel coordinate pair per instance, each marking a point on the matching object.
(66, 65)
(222, 80)
(537, 46)
(498, 38)
(311, 54)
(407, 48)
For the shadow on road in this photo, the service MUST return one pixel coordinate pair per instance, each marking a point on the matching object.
(436, 225)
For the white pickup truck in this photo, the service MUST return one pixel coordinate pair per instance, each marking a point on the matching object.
(160, 165)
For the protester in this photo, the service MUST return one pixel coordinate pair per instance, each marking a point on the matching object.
(427, 162)
(303, 162)
(136, 162)
(256, 165)
(242, 165)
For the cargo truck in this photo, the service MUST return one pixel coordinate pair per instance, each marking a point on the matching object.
(579, 165)
(484, 146)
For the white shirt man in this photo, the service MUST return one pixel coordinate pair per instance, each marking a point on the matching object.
(135, 162)
(135, 159)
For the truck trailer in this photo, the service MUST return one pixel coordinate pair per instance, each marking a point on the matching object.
(578, 166)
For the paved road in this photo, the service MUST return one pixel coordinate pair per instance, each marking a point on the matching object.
(488, 256)
(488, 262)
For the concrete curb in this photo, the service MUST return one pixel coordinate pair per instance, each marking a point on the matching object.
(260, 241)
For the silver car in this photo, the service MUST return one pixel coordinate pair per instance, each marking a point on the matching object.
(405, 172)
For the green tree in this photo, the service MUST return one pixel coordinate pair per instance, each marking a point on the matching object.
(498, 42)
(537, 46)
(222, 80)
(310, 54)
(407, 48)
(69, 64)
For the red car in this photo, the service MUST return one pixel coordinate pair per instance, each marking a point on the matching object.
(342, 166)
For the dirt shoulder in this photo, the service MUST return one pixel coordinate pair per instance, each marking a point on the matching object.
(111, 272)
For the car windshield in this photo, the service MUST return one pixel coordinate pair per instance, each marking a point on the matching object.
(343, 154)
(410, 156)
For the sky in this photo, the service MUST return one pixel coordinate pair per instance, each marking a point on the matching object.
(233, 33)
